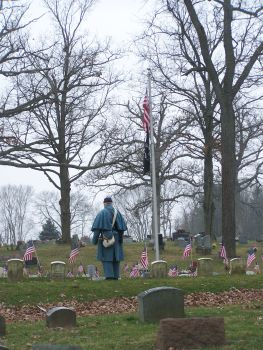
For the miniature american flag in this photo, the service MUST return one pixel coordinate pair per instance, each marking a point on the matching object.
(135, 272)
(74, 253)
(29, 251)
(144, 258)
(187, 250)
(250, 258)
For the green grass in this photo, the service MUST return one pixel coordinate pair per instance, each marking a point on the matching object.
(244, 330)
(244, 325)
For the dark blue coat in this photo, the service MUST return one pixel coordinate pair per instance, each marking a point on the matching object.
(102, 225)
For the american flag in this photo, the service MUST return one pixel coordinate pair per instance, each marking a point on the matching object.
(173, 272)
(146, 114)
(144, 258)
(250, 258)
(29, 251)
(223, 252)
(187, 250)
(74, 253)
(135, 272)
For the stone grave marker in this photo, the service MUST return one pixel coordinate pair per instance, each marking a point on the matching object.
(190, 333)
(61, 317)
(2, 271)
(91, 271)
(55, 347)
(58, 270)
(161, 302)
(3, 347)
(15, 270)
(2, 326)
(159, 269)
(237, 266)
(205, 266)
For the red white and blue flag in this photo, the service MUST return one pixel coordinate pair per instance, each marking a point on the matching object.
(223, 253)
(250, 258)
(144, 259)
(74, 253)
(29, 251)
(187, 250)
(135, 272)
(172, 272)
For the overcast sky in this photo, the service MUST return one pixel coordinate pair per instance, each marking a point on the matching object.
(119, 19)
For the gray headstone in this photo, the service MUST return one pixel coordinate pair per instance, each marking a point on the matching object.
(159, 269)
(55, 347)
(15, 270)
(162, 302)
(207, 242)
(2, 347)
(61, 317)
(2, 271)
(91, 270)
(237, 266)
(2, 326)
(205, 267)
(58, 270)
(199, 242)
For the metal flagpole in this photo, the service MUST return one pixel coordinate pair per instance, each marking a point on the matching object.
(154, 194)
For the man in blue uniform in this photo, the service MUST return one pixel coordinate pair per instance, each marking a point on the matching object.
(109, 222)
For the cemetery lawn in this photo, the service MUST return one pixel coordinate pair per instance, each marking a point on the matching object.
(244, 330)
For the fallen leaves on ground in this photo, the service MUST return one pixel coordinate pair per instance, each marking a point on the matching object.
(119, 305)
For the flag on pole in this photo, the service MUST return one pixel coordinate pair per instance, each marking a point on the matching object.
(135, 272)
(223, 252)
(146, 126)
(29, 251)
(187, 250)
(74, 253)
(173, 272)
(250, 258)
(144, 259)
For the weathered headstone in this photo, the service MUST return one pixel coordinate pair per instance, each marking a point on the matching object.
(54, 347)
(159, 269)
(237, 266)
(58, 270)
(61, 317)
(15, 270)
(205, 266)
(3, 347)
(91, 271)
(160, 302)
(190, 333)
(2, 326)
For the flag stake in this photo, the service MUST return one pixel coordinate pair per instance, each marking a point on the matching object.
(154, 193)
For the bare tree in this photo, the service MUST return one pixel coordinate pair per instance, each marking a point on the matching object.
(15, 204)
(241, 27)
(63, 137)
(47, 207)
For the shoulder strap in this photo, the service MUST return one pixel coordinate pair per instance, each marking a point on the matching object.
(114, 216)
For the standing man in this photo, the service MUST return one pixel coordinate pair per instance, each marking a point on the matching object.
(109, 223)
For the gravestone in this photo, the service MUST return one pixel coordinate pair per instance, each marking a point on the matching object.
(127, 240)
(54, 347)
(190, 333)
(91, 271)
(3, 347)
(15, 270)
(159, 269)
(160, 302)
(58, 270)
(182, 243)
(2, 272)
(2, 326)
(61, 317)
(203, 245)
(237, 266)
(205, 266)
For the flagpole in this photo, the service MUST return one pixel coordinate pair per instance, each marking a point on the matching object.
(154, 193)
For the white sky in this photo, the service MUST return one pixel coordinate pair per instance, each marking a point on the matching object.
(118, 19)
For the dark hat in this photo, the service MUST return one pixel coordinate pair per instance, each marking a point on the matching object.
(107, 200)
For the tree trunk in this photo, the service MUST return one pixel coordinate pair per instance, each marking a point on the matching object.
(64, 203)
(228, 176)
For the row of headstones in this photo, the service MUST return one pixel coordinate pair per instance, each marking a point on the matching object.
(162, 304)
(15, 270)
(159, 268)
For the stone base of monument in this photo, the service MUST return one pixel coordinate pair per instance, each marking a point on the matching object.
(190, 333)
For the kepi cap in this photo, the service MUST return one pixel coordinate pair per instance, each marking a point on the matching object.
(107, 199)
